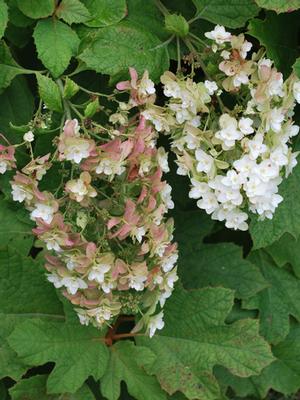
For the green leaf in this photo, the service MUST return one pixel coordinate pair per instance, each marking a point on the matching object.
(91, 108)
(24, 293)
(278, 33)
(70, 88)
(3, 17)
(286, 218)
(34, 388)
(17, 107)
(195, 339)
(286, 250)
(73, 11)
(9, 69)
(78, 351)
(125, 364)
(56, 43)
(126, 46)
(177, 25)
(105, 12)
(16, 17)
(221, 264)
(49, 92)
(276, 303)
(15, 227)
(280, 6)
(36, 8)
(296, 67)
(231, 13)
(283, 375)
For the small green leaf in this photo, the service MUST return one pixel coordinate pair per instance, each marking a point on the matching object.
(105, 12)
(91, 108)
(70, 88)
(296, 67)
(195, 339)
(231, 13)
(34, 388)
(36, 8)
(3, 17)
(220, 264)
(278, 33)
(126, 361)
(78, 351)
(286, 218)
(126, 46)
(280, 6)
(277, 302)
(177, 25)
(56, 43)
(73, 11)
(49, 92)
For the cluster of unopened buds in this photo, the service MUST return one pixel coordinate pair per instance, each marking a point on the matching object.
(104, 226)
(235, 159)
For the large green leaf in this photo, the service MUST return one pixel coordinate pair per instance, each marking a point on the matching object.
(280, 6)
(105, 12)
(279, 35)
(125, 364)
(286, 218)
(9, 69)
(276, 303)
(221, 264)
(286, 250)
(17, 105)
(56, 43)
(34, 388)
(73, 11)
(195, 339)
(15, 227)
(3, 17)
(231, 13)
(24, 293)
(78, 351)
(126, 46)
(283, 375)
(36, 9)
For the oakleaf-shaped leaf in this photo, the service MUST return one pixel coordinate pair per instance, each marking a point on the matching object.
(24, 294)
(34, 388)
(78, 351)
(125, 364)
(231, 13)
(279, 35)
(105, 12)
(126, 46)
(220, 264)
(277, 302)
(286, 217)
(49, 92)
(73, 11)
(283, 375)
(3, 17)
(36, 9)
(195, 339)
(280, 6)
(56, 43)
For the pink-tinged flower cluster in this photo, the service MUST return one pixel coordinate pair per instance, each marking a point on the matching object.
(109, 244)
(7, 158)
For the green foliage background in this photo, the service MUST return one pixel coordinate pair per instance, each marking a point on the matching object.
(233, 324)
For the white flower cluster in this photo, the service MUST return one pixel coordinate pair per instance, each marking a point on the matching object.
(236, 159)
